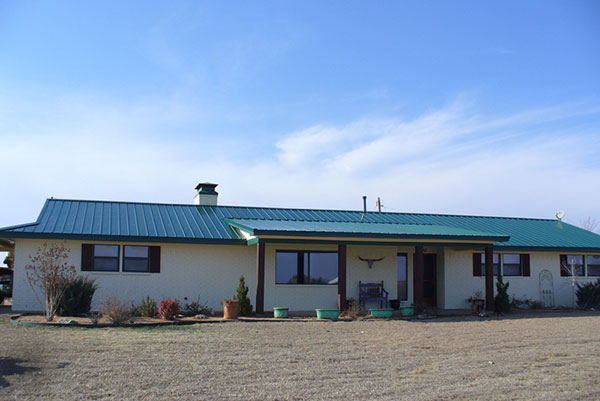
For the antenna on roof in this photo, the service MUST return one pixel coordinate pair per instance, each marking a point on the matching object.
(560, 214)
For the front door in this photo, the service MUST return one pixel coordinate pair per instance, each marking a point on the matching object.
(429, 282)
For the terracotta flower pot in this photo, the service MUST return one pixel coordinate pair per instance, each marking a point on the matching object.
(230, 308)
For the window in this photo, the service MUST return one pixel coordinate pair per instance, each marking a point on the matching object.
(511, 264)
(304, 267)
(507, 264)
(402, 277)
(570, 264)
(135, 258)
(495, 261)
(593, 265)
(106, 258)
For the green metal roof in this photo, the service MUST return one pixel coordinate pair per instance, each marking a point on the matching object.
(358, 229)
(146, 222)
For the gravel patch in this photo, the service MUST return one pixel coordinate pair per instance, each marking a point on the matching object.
(536, 356)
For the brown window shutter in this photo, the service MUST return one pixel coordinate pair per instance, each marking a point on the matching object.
(564, 268)
(87, 257)
(155, 259)
(477, 270)
(526, 265)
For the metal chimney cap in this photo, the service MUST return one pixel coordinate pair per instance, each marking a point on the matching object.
(206, 188)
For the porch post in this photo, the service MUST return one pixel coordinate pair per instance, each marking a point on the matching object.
(489, 278)
(341, 277)
(418, 278)
(260, 278)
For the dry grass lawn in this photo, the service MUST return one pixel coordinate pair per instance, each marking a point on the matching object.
(553, 356)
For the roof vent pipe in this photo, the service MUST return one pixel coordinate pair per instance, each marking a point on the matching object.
(364, 209)
(206, 196)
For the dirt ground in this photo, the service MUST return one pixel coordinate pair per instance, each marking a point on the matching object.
(553, 356)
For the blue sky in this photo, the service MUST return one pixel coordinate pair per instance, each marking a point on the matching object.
(444, 107)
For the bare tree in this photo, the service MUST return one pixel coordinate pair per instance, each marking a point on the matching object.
(50, 272)
(574, 275)
(590, 224)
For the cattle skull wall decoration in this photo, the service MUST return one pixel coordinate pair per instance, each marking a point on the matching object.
(371, 261)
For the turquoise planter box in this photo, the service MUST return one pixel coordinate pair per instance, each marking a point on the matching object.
(384, 313)
(331, 314)
(407, 311)
(280, 313)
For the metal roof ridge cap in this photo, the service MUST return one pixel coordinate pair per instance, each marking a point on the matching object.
(308, 209)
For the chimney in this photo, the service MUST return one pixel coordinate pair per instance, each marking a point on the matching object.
(206, 196)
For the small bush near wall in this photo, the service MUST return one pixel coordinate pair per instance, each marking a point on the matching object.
(77, 297)
(588, 295)
(244, 305)
(501, 301)
(116, 310)
(196, 308)
(146, 308)
(168, 309)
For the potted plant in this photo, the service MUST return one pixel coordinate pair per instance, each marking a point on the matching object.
(407, 310)
(230, 308)
(384, 313)
(332, 314)
(280, 312)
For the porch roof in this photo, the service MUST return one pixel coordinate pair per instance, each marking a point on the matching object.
(287, 228)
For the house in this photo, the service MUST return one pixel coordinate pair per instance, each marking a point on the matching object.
(303, 258)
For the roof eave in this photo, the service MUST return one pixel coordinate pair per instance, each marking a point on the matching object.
(518, 248)
(123, 238)
(312, 234)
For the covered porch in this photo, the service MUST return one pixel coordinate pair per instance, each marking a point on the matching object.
(362, 252)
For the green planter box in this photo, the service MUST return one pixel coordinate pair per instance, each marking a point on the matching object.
(332, 314)
(280, 312)
(407, 310)
(384, 313)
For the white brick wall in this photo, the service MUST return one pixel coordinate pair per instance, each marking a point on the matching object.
(461, 284)
(212, 273)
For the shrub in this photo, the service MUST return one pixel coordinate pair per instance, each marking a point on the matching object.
(168, 309)
(588, 295)
(77, 297)
(116, 310)
(353, 309)
(146, 308)
(196, 308)
(244, 305)
(501, 301)
(520, 303)
(537, 305)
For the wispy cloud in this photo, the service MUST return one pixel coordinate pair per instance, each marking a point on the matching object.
(447, 160)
